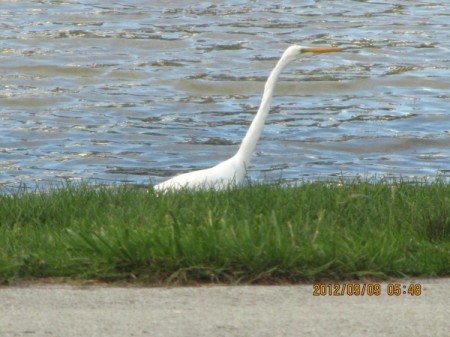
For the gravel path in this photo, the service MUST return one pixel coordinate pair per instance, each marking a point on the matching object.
(91, 310)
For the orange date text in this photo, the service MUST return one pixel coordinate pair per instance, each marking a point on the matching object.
(347, 289)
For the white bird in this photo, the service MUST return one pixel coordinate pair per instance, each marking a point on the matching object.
(231, 172)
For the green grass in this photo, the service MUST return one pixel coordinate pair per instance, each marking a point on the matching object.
(260, 233)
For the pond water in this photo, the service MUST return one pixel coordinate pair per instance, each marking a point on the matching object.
(138, 91)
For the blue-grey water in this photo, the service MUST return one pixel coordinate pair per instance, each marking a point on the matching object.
(137, 91)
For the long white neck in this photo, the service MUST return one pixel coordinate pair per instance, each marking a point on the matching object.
(254, 132)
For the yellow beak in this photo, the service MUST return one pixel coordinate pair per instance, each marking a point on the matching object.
(322, 49)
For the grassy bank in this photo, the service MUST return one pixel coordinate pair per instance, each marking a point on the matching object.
(254, 234)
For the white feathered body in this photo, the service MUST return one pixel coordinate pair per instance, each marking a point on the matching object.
(228, 173)
(232, 171)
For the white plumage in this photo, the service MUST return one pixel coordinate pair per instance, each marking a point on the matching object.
(232, 171)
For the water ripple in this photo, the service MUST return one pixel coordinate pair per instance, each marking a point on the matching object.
(135, 92)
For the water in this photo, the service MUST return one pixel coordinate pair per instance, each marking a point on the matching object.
(134, 92)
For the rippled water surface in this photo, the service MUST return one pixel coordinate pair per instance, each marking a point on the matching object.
(137, 91)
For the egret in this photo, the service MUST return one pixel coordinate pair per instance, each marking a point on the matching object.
(232, 171)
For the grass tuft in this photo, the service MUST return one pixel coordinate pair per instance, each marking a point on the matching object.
(254, 234)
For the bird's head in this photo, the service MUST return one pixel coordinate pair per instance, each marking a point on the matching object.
(294, 51)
